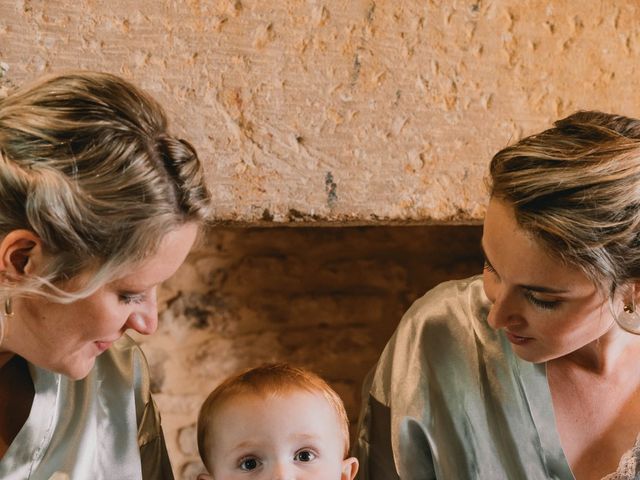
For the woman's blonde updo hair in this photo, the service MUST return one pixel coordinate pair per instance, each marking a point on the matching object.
(86, 163)
(576, 187)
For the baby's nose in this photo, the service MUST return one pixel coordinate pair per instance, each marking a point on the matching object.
(283, 471)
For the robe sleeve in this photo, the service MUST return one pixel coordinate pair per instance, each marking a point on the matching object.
(393, 442)
(375, 449)
(154, 458)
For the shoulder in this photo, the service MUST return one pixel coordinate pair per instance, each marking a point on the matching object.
(125, 347)
(125, 356)
(458, 307)
(124, 366)
(126, 359)
(439, 335)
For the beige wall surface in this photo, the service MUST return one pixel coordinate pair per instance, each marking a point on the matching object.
(310, 112)
(353, 111)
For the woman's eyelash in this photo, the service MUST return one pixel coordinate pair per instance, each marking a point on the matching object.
(544, 304)
(488, 267)
(128, 298)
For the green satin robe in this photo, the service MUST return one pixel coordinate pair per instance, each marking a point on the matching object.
(449, 400)
(104, 426)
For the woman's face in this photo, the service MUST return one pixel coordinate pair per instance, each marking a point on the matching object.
(68, 338)
(546, 309)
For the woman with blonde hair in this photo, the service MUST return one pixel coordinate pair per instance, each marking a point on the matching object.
(100, 204)
(529, 371)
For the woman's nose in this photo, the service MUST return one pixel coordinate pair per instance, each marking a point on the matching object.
(144, 322)
(497, 317)
(502, 311)
(144, 317)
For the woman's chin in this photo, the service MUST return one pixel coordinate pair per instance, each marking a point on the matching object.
(531, 355)
(75, 368)
(536, 355)
(77, 374)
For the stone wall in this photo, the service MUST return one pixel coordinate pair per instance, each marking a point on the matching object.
(327, 112)
(324, 298)
(358, 111)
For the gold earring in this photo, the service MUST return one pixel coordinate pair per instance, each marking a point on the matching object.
(629, 318)
(8, 312)
(8, 307)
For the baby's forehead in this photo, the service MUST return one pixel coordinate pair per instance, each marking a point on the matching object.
(298, 412)
(283, 394)
(289, 403)
(285, 416)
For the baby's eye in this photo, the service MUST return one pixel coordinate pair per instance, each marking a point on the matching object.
(249, 463)
(304, 456)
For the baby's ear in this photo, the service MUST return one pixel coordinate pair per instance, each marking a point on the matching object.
(349, 468)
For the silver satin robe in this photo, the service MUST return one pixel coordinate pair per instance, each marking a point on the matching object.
(104, 426)
(449, 400)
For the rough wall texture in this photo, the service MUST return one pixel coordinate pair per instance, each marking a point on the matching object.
(327, 112)
(327, 299)
(343, 110)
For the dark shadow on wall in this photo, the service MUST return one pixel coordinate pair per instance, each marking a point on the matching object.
(324, 298)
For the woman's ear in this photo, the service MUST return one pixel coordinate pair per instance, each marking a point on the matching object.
(349, 468)
(20, 253)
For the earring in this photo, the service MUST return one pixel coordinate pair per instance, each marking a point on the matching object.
(8, 307)
(8, 312)
(629, 318)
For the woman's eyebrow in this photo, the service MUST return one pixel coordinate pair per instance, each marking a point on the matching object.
(533, 288)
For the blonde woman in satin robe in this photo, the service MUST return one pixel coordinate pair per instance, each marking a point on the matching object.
(531, 370)
(99, 205)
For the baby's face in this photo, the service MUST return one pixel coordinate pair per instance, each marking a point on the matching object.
(295, 436)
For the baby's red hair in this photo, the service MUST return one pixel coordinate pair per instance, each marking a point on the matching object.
(273, 378)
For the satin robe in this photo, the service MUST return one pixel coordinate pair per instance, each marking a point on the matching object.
(104, 426)
(449, 399)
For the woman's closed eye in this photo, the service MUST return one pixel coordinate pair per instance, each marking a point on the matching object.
(249, 463)
(488, 267)
(304, 455)
(540, 303)
(130, 297)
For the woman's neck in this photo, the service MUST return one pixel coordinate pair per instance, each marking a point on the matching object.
(603, 356)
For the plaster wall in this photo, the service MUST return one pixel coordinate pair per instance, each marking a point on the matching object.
(352, 111)
(327, 112)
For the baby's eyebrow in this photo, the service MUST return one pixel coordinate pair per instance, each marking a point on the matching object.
(244, 445)
(306, 436)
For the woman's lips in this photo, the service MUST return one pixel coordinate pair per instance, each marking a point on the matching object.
(517, 339)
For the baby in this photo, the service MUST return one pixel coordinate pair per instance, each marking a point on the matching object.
(272, 422)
